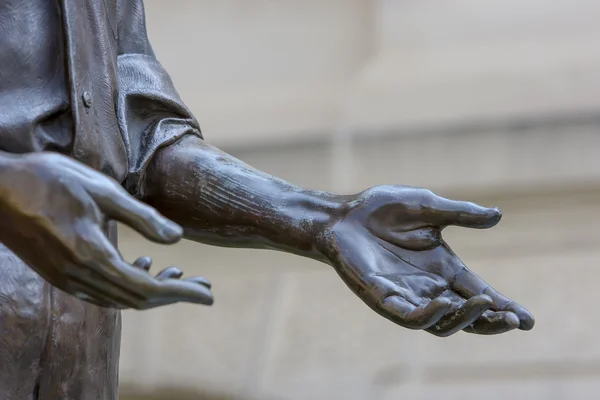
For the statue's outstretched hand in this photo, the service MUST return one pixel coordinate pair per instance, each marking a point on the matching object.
(53, 211)
(388, 249)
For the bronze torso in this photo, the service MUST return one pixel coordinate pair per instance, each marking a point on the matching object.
(58, 92)
(34, 92)
(55, 346)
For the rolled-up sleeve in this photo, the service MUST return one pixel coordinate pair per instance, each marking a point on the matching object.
(150, 112)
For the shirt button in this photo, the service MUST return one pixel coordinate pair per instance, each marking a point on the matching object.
(86, 97)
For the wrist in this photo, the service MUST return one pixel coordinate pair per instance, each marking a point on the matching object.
(313, 214)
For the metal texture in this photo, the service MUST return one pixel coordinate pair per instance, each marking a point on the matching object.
(92, 132)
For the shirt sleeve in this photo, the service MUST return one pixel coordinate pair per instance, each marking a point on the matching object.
(150, 112)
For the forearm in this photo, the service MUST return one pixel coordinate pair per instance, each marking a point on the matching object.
(222, 201)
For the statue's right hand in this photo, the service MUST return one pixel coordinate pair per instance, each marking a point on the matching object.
(53, 211)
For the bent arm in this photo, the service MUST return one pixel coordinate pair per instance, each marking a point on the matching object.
(222, 201)
(218, 199)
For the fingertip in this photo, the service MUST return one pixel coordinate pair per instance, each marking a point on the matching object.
(202, 281)
(494, 216)
(485, 218)
(527, 320)
(468, 214)
(170, 273)
(170, 232)
(527, 323)
(203, 296)
(143, 262)
(512, 320)
(482, 300)
(207, 300)
(441, 302)
(434, 311)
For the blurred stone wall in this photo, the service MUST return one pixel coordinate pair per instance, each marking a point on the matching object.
(265, 71)
(287, 328)
(494, 102)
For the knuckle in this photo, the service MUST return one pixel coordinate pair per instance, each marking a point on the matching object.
(427, 198)
(151, 214)
(427, 193)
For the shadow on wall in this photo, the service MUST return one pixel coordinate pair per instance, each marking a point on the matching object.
(167, 393)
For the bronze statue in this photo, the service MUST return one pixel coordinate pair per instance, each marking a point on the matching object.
(92, 131)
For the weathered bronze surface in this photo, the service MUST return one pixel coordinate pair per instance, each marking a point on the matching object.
(92, 132)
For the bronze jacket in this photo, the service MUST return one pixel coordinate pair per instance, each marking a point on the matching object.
(119, 70)
(123, 104)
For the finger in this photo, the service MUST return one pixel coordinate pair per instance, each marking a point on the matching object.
(468, 284)
(200, 280)
(170, 273)
(117, 204)
(406, 314)
(493, 323)
(526, 319)
(445, 212)
(417, 239)
(133, 286)
(175, 290)
(165, 289)
(154, 292)
(464, 316)
(143, 262)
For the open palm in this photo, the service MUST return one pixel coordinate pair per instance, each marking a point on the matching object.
(389, 250)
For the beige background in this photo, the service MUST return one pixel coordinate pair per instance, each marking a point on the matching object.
(495, 102)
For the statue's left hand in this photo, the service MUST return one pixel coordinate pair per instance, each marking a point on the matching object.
(387, 247)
